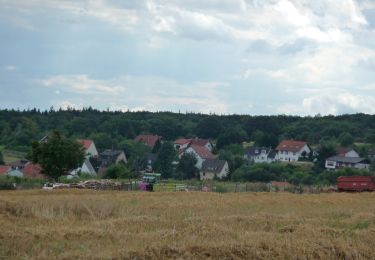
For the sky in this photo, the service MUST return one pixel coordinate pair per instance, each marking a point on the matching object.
(257, 57)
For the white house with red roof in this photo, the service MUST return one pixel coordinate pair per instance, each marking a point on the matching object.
(290, 150)
(346, 152)
(201, 153)
(89, 147)
(183, 143)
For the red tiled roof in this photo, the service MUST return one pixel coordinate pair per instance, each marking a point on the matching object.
(32, 171)
(198, 141)
(341, 151)
(182, 141)
(149, 140)
(86, 143)
(290, 146)
(4, 169)
(202, 151)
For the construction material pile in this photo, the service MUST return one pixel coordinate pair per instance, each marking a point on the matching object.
(89, 184)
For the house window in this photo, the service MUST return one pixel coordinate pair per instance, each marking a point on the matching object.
(294, 153)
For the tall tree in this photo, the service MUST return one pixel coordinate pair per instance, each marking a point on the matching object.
(58, 155)
(186, 168)
(167, 155)
(1, 158)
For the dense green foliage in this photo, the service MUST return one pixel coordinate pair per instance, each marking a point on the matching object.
(263, 172)
(186, 168)
(1, 158)
(19, 128)
(117, 130)
(118, 171)
(164, 163)
(58, 155)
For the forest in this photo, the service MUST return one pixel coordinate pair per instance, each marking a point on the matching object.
(108, 129)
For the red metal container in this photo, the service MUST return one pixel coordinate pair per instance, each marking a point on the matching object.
(356, 183)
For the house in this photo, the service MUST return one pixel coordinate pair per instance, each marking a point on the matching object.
(90, 151)
(32, 170)
(183, 143)
(202, 142)
(339, 162)
(109, 157)
(290, 150)
(345, 152)
(89, 146)
(201, 153)
(86, 167)
(4, 169)
(149, 140)
(214, 168)
(260, 154)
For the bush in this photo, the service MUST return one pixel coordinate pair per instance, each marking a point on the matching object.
(118, 171)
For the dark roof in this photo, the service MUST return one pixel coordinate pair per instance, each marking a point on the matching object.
(348, 159)
(254, 151)
(111, 153)
(213, 165)
(109, 156)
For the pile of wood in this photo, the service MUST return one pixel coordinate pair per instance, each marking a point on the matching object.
(89, 184)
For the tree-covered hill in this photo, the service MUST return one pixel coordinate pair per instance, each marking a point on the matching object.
(19, 128)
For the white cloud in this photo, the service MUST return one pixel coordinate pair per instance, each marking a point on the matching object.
(82, 84)
(140, 93)
(331, 103)
(10, 68)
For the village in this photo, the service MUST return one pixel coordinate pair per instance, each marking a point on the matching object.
(208, 166)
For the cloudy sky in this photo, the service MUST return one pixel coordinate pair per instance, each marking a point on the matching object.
(265, 57)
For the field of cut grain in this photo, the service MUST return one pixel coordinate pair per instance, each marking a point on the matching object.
(107, 225)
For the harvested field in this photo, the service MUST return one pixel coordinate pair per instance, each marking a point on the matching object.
(81, 224)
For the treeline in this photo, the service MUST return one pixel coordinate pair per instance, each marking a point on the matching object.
(108, 129)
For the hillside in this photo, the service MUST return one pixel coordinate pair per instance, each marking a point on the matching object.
(19, 128)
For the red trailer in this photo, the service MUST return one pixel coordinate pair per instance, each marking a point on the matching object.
(356, 183)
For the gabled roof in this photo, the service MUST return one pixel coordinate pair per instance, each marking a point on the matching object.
(290, 146)
(111, 153)
(344, 159)
(213, 165)
(202, 151)
(89, 166)
(182, 141)
(86, 143)
(32, 171)
(149, 140)
(4, 169)
(199, 141)
(254, 151)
